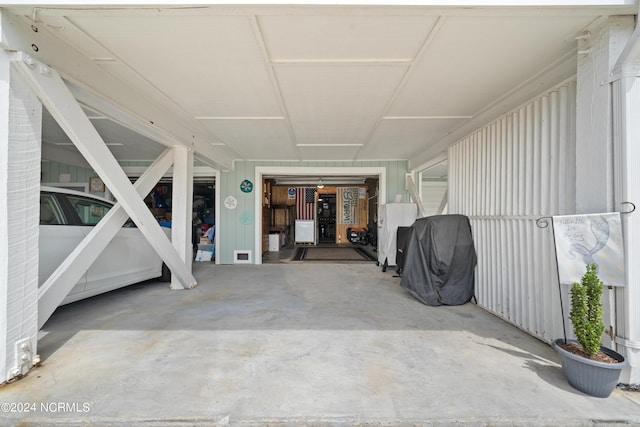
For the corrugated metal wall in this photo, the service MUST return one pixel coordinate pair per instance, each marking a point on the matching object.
(505, 176)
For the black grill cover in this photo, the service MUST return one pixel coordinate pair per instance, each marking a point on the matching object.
(440, 260)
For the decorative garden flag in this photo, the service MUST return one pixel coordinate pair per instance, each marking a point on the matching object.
(586, 239)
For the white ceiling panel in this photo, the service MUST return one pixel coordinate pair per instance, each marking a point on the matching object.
(474, 60)
(328, 153)
(255, 139)
(344, 37)
(401, 139)
(123, 143)
(336, 104)
(266, 79)
(209, 65)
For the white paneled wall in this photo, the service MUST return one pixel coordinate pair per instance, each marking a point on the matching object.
(505, 176)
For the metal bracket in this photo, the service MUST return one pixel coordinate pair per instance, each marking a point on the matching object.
(633, 208)
(543, 221)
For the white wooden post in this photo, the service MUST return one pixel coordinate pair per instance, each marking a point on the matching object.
(598, 51)
(182, 207)
(20, 130)
(626, 135)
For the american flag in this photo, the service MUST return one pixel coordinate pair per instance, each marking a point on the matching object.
(305, 202)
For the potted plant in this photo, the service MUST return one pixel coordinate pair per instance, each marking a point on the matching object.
(588, 366)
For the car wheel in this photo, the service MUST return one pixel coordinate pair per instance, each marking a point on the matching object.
(166, 273)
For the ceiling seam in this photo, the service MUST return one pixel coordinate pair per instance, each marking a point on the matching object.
(141, 77)
(417, 57)
(257, 31)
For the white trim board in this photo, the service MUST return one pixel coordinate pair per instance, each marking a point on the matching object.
(261, 171)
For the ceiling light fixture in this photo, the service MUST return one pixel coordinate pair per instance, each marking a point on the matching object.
(320, 184)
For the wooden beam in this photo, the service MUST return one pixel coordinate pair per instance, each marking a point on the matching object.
(65, 277)
(182, 206)
(54, 94)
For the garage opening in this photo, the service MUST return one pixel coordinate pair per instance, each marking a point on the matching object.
(319, 218)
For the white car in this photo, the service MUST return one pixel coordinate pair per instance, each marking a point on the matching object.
(66, 217)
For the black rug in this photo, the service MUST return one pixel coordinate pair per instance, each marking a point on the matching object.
(333, 254)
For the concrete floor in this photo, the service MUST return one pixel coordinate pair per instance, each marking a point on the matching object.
(301, 344)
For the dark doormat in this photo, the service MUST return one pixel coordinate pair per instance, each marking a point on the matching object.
(333, 254)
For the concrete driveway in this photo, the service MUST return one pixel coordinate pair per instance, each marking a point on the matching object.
(304, 344)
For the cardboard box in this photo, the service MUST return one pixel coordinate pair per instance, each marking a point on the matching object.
(158, 212)
(205, 241)
(168, 216)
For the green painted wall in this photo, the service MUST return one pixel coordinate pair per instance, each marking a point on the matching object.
(236, 235)
(233, 234)
(51, 172)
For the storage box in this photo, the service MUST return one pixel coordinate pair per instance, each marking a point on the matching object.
(274, 242)
(202, 256)
(168, 216)
(204, 241)
(205, 253)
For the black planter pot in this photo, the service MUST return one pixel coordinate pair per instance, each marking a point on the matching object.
(594, 378)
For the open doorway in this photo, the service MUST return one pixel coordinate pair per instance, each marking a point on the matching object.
(326, 222)
(316, 207)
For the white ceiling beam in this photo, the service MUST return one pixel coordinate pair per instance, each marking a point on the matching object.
(421, 52)
(57, 286)
(54, 94)
(381, 7)
(257, 31)
(137, 106)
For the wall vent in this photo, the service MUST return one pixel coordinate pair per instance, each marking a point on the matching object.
(242, 257)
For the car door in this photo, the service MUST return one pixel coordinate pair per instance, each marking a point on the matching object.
(127, 259)
(57, 238)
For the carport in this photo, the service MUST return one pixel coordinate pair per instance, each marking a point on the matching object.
(301, 345)
(532, 104)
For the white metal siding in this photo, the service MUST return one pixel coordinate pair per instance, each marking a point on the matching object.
(505, 176)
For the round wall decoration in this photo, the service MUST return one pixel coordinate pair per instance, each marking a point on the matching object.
(246, 186)
(230, 202)
(246, 218)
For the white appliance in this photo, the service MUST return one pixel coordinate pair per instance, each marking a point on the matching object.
(390, 217)
(305, 231)
(274, 242)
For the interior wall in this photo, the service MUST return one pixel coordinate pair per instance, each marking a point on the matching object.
(237, 226)
(504, 176)
(53, 172)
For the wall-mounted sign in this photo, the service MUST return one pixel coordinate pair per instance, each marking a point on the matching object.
(246, 186)
(291, 192)
(246, 218)
(348, 205)
(230, 202)
(96, 185)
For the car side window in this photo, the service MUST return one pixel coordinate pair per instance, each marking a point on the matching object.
(90, 211)
(50, 213)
